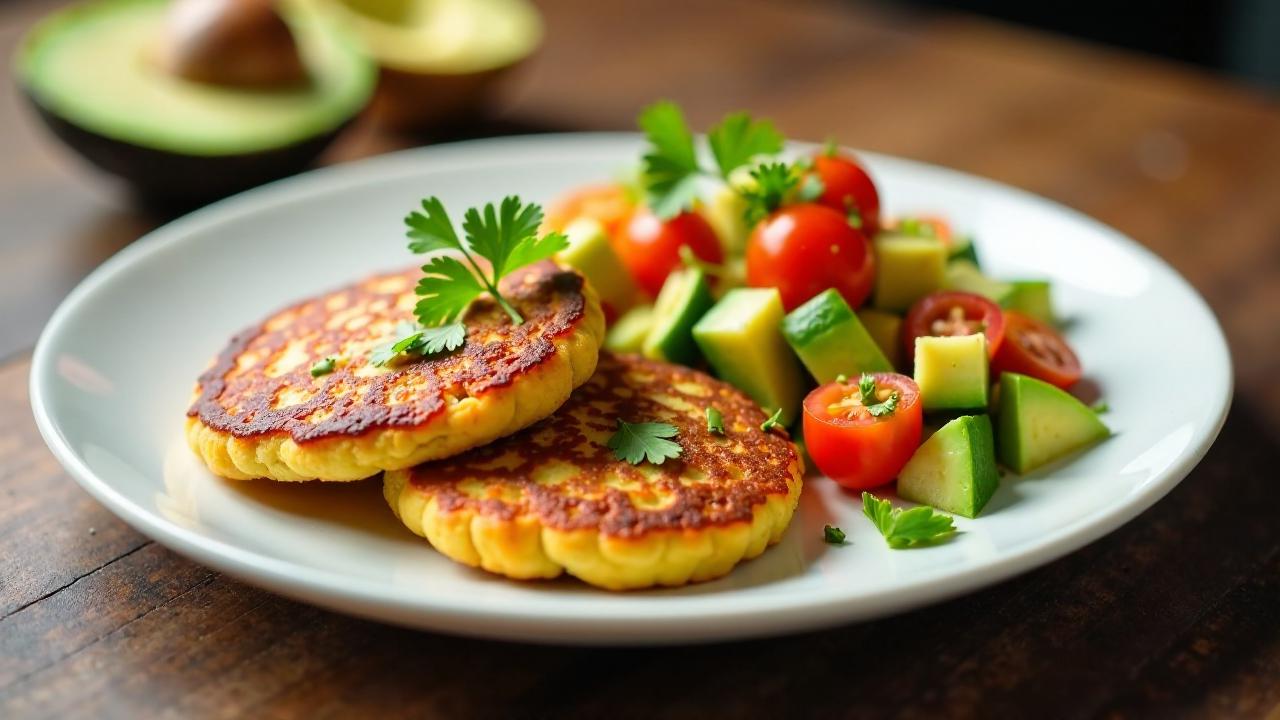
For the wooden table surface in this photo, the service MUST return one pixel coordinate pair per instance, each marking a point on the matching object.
(1176, 614)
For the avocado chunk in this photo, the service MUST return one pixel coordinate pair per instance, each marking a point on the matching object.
(964, 275)
(685, 297)
(1032, 298)
(907, 269)
(952, 372)
(886, 329)
(591, 253)
(742, 340)
(628, 332)
(1039, 423)
(89, 72)
(963, 248)
(955, 469)
(726, 213)
(830, 339)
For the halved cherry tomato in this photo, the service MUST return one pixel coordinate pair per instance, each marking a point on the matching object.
(853, 447)
(952, 312)
(848, 186)
(650, 246)
(611, 204)
(805, 249)
(1033, 348)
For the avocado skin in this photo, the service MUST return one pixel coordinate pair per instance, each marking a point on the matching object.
(173, 180)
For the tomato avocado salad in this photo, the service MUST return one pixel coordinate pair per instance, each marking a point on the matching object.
(857, 330)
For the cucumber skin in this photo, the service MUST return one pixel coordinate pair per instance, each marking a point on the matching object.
(974, 432)
(671, 338)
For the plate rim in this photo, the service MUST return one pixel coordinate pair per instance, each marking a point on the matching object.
(745, 617)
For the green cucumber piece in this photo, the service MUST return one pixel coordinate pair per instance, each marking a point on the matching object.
(886, 329)
(965, 276)
(628, 332)
(830, 339)
(1039, 423)
(1032, 298)
(955, 469)
(907, 269)
(685, 297)
(741, 339)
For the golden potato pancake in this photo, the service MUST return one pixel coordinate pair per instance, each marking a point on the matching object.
(259, 412)
(554, 498)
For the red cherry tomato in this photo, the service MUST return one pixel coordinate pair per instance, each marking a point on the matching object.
(610, 204)
(1032, 348)
(650, 246)
(805, 249)
(951, 312)
(848, 186)
(853, 447)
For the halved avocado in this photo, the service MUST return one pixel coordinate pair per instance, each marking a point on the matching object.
(438, 57)
(95, 74)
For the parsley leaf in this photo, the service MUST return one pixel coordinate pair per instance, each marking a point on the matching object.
(832, 535)
(671, 165)
(867, 388)
(715, 421)
(637, 442)
(420, 341)
(904, 528)
(773, 182)
(324, 367)
(506, 236)
(738, 139)
(775, 420)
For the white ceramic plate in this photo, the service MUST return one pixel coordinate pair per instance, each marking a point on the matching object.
(113, 372)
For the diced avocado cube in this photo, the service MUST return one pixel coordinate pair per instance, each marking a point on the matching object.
(741, 339)
(830, 339)
(963, 248)
(907, 269)
(628, 332)
(591, 254)
(1039, 423)
(964, 275)
(952, 372)
(955, 469)
(685, 297)
(886, 329)
(726, 213)
(1032, 297)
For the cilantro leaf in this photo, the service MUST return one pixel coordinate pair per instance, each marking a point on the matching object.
(671, 164)
(738, 139)
(637, 442)
(431, 229)
(494, 234)
(535, 249)
(422, 341)
(324, 367)
(773, 182)
(832, 535)
(775, 420)
(715, 421)
(445, 338)
(446, 289)
(867, 388)
(904, 528)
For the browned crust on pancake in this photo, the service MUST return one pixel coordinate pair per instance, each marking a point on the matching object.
(497, 352)
(735, 473)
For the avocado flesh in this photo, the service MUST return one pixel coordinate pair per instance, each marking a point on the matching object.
(907, 269)
(628, 332)
(591, 253)
(685, 297)
(955, 469)
(1039, 423)
(830, 339)
(1032, 298)
(92, 66)
(885, 329)
(741, 339)
(952, 372)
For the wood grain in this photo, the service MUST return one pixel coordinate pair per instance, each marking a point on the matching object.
(1174, 615)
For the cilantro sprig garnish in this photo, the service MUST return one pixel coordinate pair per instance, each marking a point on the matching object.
(870, 400)
(905, 528)
(506, 236)
(411, 339)
(637, 442)
(715, 421)
(671, 167)
(324, 366)
(832, 535)
(774, 185)
(775, 420)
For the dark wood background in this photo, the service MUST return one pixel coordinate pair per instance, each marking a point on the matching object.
(1176, 614)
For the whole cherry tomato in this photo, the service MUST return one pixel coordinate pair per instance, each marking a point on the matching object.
(650, 246)
(1033, 348)
(805, 249)
(952, 312)
(851, 444)
(848, 186)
